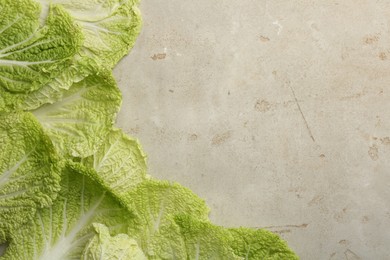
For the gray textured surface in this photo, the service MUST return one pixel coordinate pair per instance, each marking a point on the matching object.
(275, 112)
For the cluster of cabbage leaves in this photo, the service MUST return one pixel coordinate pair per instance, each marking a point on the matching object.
(72, 186)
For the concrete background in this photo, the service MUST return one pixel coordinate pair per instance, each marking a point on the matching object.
(277, 113)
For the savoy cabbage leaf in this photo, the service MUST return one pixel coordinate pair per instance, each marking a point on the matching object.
(9, 102)
(80, 118)
(110, 27)
(63, 230)
(29, 170)
(155, 203)
(50, 92)
(105, 246)
(259, 244)
(53, 91)
(120, 162)
(32, 54)
(204, 240)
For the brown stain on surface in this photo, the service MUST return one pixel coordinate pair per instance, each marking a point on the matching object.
(353, 96)
(285, 228)
(373, 152)
(193, 137)
(365, 219)
(382, 56)
(159, 56)
(340, 216)
(264, 38)
(297, 192)
(221, 138)
(262, 106)
(385, 140)
(371, 39)
(344, 242)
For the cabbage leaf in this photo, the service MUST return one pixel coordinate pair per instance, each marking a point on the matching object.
(79, 69)
(78, 119)
(259, 244)
(155, 203)
(29, 170)
(105, 246)
(32, 54)
(120, 162)
(204, 240)
(110, 27)
(63, 230)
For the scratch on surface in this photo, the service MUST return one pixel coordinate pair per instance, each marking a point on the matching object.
(275, 21)
(303, 116)
(283, 231)
(316, 200)
(332, 255)
(350, 255)
(280, 27)
(288, 226)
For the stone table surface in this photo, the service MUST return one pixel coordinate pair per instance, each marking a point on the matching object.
(277, 113)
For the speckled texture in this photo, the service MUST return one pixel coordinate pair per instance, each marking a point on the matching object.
(275, 112)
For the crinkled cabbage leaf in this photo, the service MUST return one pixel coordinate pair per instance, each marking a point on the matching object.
(79, 69)
(29, 170)
(32, 54)
(105, 246)
(110, 27)
(120, 162)
(204, 240)
(63, 230)
(155, 203)
(78, 119)
(259, 244)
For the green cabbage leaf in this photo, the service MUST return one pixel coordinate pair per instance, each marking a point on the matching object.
(29, 170)
(155, 204)
(32, 54)
(204, 240)
(119, 162)
(105, 246)
(259, 244)
(110, 27)
(63, 230)
(78, 119)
